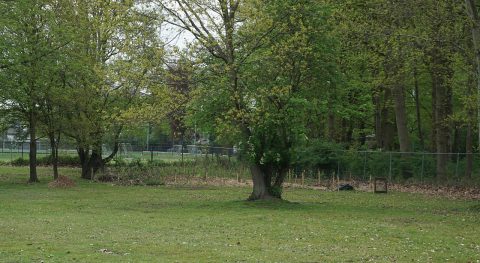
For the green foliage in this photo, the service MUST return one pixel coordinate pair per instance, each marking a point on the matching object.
(320, 155)
(63, 160)
(19, 162)
(265, 102)
(276, 191)
(272, 77)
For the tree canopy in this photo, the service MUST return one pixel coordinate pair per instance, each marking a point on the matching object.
(273, 78)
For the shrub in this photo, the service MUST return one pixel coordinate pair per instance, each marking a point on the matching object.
(319, 155)
(19, 162)
(63, 160)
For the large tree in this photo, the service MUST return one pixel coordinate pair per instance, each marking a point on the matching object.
(265, 63)
(118, 46)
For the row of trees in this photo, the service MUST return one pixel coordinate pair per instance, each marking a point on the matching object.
(290, 73)
(272, 77)
(76, 68)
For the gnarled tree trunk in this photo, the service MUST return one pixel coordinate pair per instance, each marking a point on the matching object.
(267, 181)
(260, 186)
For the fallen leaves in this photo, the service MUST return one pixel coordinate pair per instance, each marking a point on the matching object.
(62, 182)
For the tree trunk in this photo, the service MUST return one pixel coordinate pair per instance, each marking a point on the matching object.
(433, 133)
(455, 146)
(441, 74)
(331, 126)
(469, 152)
(84, 155)
(470, 126)
(384, 128)
(91, 163)
(54, 154)
(378, 121)
(331, 118)
(417, 109)
(33, 148)
(401, 117)
(94, 162)
(282, 174)
(260, 186)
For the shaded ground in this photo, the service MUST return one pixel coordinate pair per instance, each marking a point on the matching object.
(102, 222)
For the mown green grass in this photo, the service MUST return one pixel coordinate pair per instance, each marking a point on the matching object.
(96, 222)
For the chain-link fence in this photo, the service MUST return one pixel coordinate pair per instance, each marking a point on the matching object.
(171, 152)
(12, 150)
(397, 166)
(336, 165)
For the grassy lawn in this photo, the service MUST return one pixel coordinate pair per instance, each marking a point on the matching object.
(96, 222)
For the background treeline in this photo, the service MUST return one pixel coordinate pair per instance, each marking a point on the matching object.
(277, 79)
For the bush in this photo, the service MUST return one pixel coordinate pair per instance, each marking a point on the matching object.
(319, 155)
(19, 162)
(63, 160)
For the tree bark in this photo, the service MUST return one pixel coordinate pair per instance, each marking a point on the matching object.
(402, 129)
(417, 109)
(91, 162)
(469, 152)
(33, 148)
(387, 128)
(282, 174)
(260, 188)
(401, 117)
(84, 155)
(441, 74)
(470, 129)
(455, 146)
(54, 154)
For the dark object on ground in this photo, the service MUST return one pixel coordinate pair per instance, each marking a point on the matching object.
(345, 187)
(380, 185)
